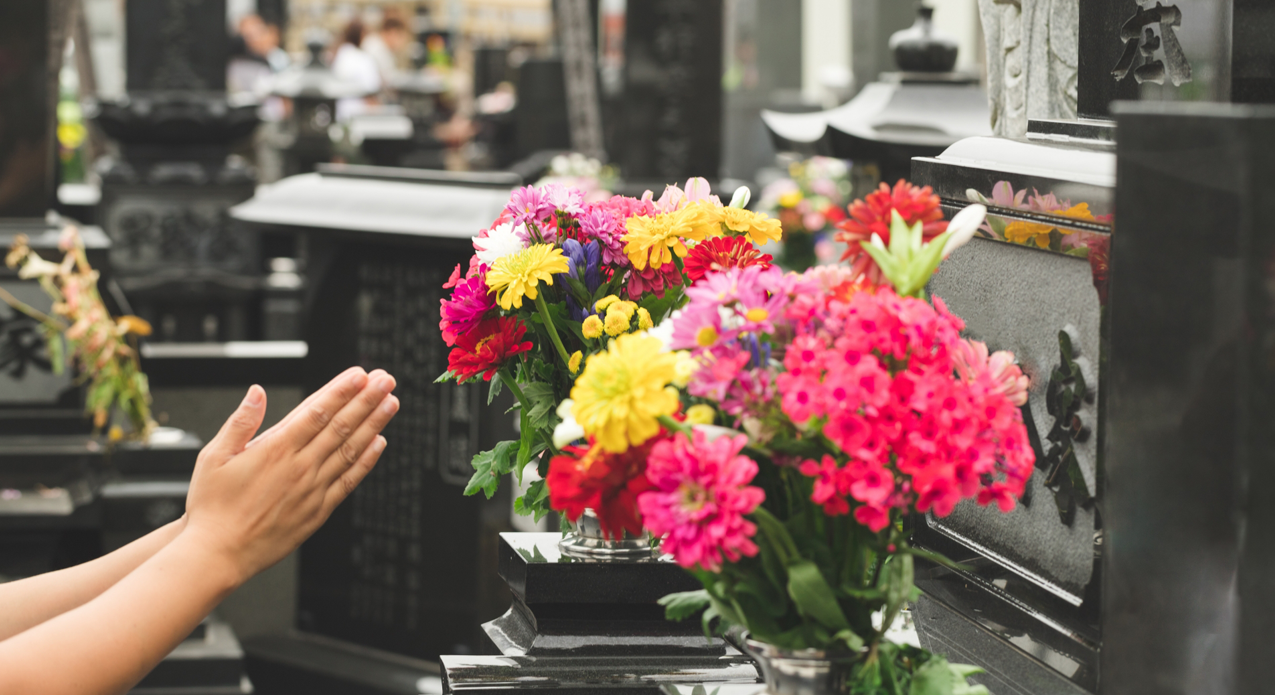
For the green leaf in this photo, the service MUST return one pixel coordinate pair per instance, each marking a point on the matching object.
(496, 384)
(489, 467)
(535, 502)
(813, 596)
(938, 677)
(684, 604)
(936, 558)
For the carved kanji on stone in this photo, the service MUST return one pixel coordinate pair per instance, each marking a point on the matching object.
(1141, 45)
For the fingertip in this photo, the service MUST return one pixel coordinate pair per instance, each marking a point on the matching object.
(256, 395)
(379, 445)
(390, 404)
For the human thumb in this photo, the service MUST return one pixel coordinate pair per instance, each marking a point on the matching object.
(241, 426)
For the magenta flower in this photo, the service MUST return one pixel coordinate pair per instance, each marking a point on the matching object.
(701, 497)
(469, 304)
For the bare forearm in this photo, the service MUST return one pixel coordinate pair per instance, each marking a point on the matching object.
(106, 645)
(29, 602)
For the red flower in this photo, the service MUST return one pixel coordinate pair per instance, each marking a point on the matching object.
(607, 483)
(872, 216)
(722, 253)
(485, 348)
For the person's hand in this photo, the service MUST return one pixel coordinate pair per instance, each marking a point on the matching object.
(255, 504)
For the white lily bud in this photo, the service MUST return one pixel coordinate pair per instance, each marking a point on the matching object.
(963, 227)
(568, 430)
(741, 197)
(876, 241)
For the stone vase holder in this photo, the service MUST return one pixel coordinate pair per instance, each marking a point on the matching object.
(579, 625)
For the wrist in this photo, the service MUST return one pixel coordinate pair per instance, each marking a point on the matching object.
(225, 566)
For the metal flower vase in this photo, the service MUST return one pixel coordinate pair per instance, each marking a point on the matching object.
(802, 671)
(585, 541)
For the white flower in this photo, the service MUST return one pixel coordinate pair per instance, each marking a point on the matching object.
(664, 331)
(500, 242)
(38, 267)
(963, 226)
(568, 430)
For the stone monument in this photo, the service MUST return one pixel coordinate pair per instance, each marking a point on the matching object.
(1079, 589)
(184, 265)
(1032, 61)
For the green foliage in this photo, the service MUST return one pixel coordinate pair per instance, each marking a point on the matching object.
(908, 263)
(489, 468)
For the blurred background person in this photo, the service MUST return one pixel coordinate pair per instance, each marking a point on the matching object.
(353, 64)
(388, 45)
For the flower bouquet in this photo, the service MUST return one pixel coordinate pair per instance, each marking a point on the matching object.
(809, 203)
(80, 327)
(557, 281)
(775, 431)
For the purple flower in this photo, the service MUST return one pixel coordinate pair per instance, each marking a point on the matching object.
(593, 265)
(582, 264)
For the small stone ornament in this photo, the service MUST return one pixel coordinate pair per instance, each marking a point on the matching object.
(920, 49)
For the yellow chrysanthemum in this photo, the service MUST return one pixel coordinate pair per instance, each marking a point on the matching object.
(623, 391)
(574, 363)
(759, 226)
(616, 322)
(700, 414)
(519, 274)
(592, 327)
(644, 319)
(790, 199)
(605, 302)
(654, 240)
(1020, 232)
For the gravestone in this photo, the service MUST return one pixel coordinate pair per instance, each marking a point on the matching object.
(33, 33)
(176, 45)
(666, 126)
(182, 262)
(406, 566)
(1031, 583)
(1079, 589)
(1176, 50)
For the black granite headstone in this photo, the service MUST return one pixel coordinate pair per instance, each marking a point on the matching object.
(1175, 50)
(32, 33)
(1189, 511)
(177, 45)
(669, 126)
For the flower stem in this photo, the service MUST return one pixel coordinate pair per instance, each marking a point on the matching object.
(513, 387)
(29, 310)
(674, 426)
(553, 330)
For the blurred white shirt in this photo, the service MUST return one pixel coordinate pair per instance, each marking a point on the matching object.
(353, 64)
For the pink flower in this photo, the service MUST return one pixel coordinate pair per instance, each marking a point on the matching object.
(564, 198)
(925, 418)
(830, 485)
(469, 304)
(600, 222)
(529, 205)
(653, 280)
(998, 370)
(701, 496)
